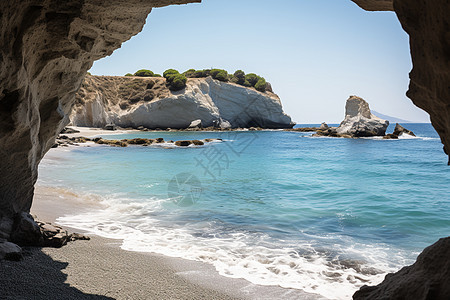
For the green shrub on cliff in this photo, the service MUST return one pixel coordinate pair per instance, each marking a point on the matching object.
(189, 73)
(261, 85)
(252, 78)
(219, 74)
(170, 71)
(201, 73)
(239, 76)
(144, 73)
(178, 82)
(175, 80)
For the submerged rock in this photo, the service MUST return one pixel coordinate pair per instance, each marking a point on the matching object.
(359, 121)
(183, 143)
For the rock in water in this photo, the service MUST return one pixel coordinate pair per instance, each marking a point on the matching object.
(359, 121)
(427, 278)
(183, 143)
(400, 130)
(323, 126)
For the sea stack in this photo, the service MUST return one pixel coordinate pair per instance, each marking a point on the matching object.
(359, 121)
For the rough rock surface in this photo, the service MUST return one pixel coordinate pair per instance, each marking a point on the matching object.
(359, 121)
(427, 278)
(138, 101)
(46, 48)
(375, 5)
(427, 23)
(399, 130)
(9, 251)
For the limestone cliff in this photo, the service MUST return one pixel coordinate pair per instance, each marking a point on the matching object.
(143, 101)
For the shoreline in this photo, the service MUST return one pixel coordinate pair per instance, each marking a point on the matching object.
(120, 270)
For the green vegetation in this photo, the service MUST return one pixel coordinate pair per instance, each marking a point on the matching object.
(239, 76)
(252, 78)
(177, 81)
(261, 85)
(219, 74)
(144, 73)
(170, 71)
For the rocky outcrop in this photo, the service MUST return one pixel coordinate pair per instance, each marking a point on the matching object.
(399, 130)
(147, 102)
(46, 48)
(28, 232)
(359, 121)
(427, 278)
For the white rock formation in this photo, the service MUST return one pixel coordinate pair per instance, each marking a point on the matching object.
(359, 121)
(213, 102)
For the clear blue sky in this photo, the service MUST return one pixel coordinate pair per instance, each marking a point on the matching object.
(315, 53)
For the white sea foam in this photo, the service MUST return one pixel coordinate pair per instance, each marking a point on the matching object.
(301, 264)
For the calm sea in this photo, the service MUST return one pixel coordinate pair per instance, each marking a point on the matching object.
(325, 215)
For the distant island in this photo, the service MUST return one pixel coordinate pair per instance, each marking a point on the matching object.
(390, 118)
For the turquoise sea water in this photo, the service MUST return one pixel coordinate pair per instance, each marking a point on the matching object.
(325, 215)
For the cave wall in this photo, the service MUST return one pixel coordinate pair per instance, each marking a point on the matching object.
(428, 26)
(46, 48)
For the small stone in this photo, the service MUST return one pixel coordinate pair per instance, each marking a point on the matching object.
(10, 251)
(196, 124)
(79, 236)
